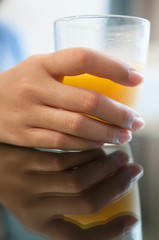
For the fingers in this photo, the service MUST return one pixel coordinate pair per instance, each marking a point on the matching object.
(79, 179)
(119, 185)
(88, 201)
(92, 103)
(40, 95)
(44, 162)
(44, 138)
(75, 61)
(79, 125)
(118, 227)
(114, 229)
(22, 160)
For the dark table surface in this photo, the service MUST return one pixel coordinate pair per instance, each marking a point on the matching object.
(80, 195)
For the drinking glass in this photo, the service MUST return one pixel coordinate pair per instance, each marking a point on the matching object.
(124, 37)
(127, 204)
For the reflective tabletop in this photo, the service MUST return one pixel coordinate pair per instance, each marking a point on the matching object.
(89, 195)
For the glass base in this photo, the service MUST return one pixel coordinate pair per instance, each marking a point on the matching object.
(57, 150)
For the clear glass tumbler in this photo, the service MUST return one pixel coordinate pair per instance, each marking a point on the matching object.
(124, 37)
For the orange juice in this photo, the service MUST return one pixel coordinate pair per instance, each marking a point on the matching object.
(127, 204)
(123, 94)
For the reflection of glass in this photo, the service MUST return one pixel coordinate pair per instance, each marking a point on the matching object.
(129, 204)
(71, 196)
(121, 36)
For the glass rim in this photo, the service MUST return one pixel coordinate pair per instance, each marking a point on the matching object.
(115, 16)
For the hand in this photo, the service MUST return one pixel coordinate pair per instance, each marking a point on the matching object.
(40, 187)
(115, 228)
(37, 110)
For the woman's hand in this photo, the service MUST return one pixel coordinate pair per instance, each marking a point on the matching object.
(38, 110)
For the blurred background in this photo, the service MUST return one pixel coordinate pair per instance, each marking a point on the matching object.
(26, 28)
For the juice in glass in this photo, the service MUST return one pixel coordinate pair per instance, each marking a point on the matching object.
(129, 203)
(120, 93)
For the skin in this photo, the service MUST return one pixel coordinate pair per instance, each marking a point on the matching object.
(40, 188)
(113, 229)
(38, 110)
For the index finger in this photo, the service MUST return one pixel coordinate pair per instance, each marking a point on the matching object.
(76, 61)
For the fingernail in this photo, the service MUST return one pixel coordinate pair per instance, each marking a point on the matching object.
(130, 224)
(138, 123)
(136, 172)
(125, 136)
(118, 159)
(135, 77)
(123, 159)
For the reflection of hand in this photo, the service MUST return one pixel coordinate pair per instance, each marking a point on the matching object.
(37, 110)
(39, 187)
(118, 227)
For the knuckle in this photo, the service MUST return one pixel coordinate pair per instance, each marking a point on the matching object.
(35, 63)
(52, 140)
(82, 55)
(87, 205)
(109, 134)
(74, 185)
(90, 101)
(125, 116)
(58, 164)
(75, 123)
(25, 88)
(57, 140)
(32, 60)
